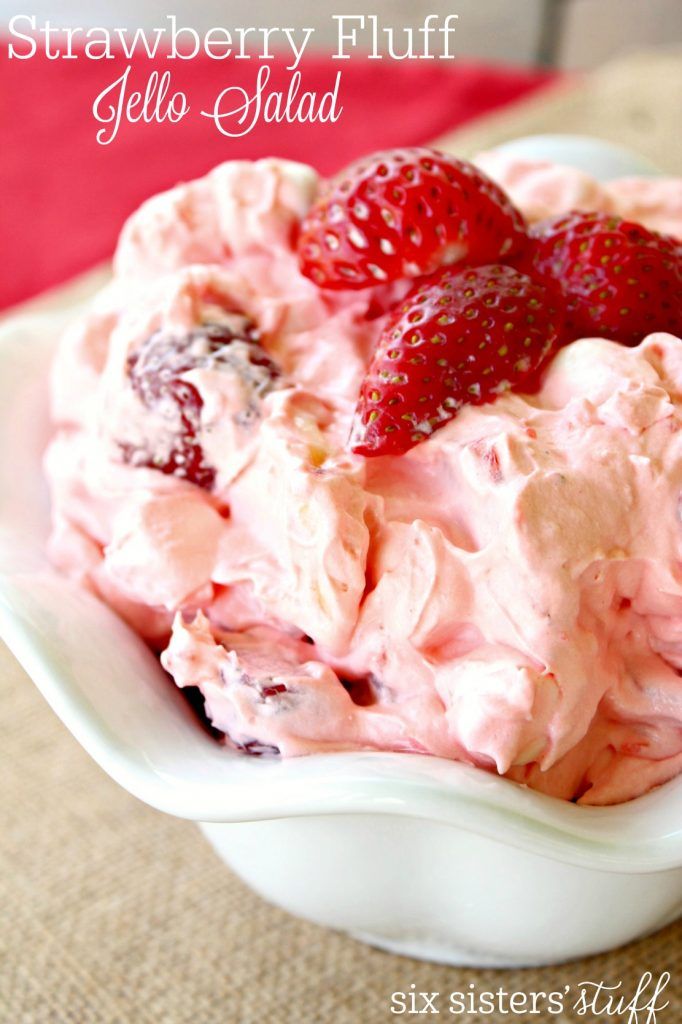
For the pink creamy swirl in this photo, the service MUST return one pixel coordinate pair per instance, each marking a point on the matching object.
(509, 593)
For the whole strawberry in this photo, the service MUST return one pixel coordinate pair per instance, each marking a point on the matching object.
(620, 281)
(459, 338)
(404, 213)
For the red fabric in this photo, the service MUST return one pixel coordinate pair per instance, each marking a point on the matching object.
(63, 197)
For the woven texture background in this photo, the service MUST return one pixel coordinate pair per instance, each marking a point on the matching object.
(635, 101)
(111, 913)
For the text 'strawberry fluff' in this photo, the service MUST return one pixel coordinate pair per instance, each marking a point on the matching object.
(404, 213)
(156, 374)
(619, 280)
(459, 338)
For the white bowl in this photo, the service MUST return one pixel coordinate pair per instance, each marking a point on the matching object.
(415, 854)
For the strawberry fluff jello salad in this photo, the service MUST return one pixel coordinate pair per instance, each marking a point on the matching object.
(394, 462)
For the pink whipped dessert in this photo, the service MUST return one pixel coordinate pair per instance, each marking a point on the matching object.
(507, 593)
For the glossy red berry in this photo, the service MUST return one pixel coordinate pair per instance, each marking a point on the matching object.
(459, 338)
(404, 213)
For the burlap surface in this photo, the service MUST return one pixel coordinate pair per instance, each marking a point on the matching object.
(111, 913)
(635, 101)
